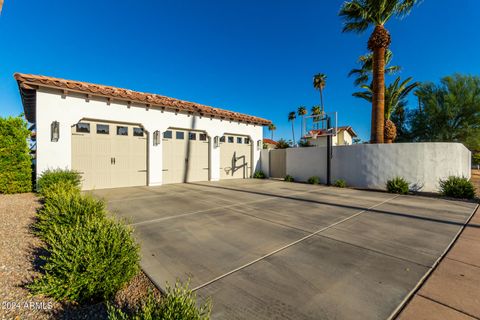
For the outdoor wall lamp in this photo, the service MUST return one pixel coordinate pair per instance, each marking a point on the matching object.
(55, 131)
(156, 138)
(215, 142)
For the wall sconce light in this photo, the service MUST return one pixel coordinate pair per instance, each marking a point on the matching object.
(156, 138)
(215, 142)
(55, 131)
(259, 145)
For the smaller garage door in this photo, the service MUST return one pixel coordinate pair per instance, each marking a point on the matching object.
(185, 156)
(235, 157)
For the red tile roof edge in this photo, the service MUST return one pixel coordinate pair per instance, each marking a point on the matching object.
(29, 81)
(270, 141)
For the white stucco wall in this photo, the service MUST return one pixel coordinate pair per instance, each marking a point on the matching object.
(371, 165)
(69, 110)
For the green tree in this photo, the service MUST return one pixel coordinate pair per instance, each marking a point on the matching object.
(291, 118)
(272, 128)
(302, 112)
(316, 112)
(363, 75)
(283, 144)
(319, 83)
(358, 16)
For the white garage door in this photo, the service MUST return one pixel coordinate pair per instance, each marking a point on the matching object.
(109, 155)
(185, 156)
(235, 157)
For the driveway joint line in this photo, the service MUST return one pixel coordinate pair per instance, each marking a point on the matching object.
(448, 306)
(289, 245)
(462, 262)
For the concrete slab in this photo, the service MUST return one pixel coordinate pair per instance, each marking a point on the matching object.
(315, 279)
(466, 251)
(455, 284)
(421, 308)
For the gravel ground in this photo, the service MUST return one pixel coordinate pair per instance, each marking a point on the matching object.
(17, 253)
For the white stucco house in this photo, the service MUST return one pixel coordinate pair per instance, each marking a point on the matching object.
(117, 137)
(344, 137)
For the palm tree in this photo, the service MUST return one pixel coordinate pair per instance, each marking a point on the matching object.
(316, 112)
(272, 128)
(364, 73)
(319, 83)
(395, 95)
(291, 117)
(358, 16)
(302, 111)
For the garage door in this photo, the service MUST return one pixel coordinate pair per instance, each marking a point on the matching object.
(109, 155)
(235, 157)
(185, 156)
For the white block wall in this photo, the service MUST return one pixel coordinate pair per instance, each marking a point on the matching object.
(69, 110)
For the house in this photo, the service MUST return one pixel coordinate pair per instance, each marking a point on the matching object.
(118, 138)
(269, 143)
(343, 137)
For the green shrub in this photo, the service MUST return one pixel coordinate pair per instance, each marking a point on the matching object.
(179, 303)
(15, 160)
(50, 177)
(289, 178)
(397, 185)
(313, 180)
(259, 175)
(65, 205)
(457, 187)
(340, 183)
(88, 260)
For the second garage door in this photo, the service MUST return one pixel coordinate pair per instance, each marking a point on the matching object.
(235, 157)
(185, 156)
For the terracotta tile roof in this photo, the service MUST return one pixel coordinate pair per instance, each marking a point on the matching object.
(322, 132)
(269, 141)
(30, 81)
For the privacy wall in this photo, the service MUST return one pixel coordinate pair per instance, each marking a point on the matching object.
(371, 165)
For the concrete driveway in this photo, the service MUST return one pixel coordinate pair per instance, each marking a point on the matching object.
(264, 249)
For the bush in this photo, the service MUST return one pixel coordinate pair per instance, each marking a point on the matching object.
(283, 144)
(15, 160)
(289, 178)
(178, 303)
(64, 205)
(457, 187)
(340, 183)
(87, 260)
(397, 185)
(313, 180)
(50, 177)
(259, 175)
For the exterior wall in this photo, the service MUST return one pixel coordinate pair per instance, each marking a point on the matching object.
(371, 165)
(69, 110)
(344, 138)
(322, 141)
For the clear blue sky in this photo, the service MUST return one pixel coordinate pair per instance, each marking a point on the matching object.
(255, 57)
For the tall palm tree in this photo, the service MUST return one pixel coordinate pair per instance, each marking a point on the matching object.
(272, 128)
(302, 112)
(358, 15)
(319, 83)
(364, 73)
(316, 112)
(291, 117)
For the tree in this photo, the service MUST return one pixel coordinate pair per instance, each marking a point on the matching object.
(316, 112)
(302, 111)
(358, 16)
(291, 118)
(272, 128)
(319, 83)
(363, 74)
(283, 144)
(449, 111)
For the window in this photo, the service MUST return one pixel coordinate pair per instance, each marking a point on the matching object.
(222, 139)
(103, 128)
(230, 139)
(167, 134)
(122, 131)
(192, 136)
(83, 127)
(202, 137)
(138, 132)
(239, 140)
(180, 135)
(247, 140)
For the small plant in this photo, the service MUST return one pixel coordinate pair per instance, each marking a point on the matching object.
(289, 178)
(50, 177)
(313, 180)
(340, 183)
(178, 303)
(397, 185)
(259, 175)
(457, 187)
(88, 260)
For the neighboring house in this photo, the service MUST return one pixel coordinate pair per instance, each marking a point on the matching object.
(269, 143)
(117, 138)
(343, 137)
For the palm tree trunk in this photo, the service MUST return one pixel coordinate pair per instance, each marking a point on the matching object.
(378, 101)
(321, 98)
(272, 134)
(293, 133)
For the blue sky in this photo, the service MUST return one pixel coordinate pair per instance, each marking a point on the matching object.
(255, 57)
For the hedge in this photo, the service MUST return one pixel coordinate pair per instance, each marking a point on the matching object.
(15, 160)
